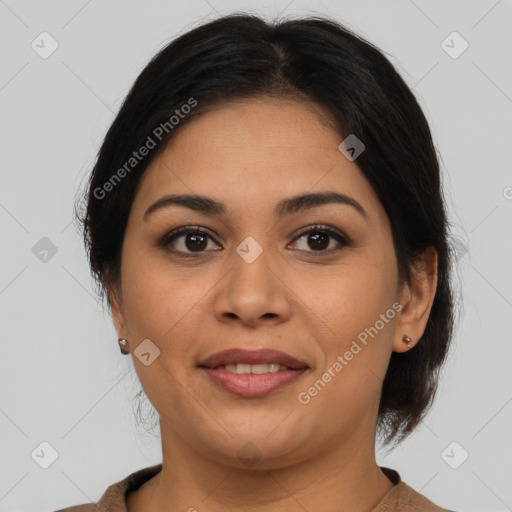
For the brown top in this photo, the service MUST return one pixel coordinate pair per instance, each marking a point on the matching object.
(401, 498)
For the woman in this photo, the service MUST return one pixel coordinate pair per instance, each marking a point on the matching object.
(266, 220)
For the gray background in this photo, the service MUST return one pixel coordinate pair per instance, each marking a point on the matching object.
(63, 379)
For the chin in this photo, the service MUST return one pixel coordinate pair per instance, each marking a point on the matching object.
(255, 445)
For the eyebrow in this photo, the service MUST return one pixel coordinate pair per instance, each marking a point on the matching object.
(289, 206)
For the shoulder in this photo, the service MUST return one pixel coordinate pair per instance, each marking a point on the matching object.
(412, 501)
(402, 498)
(114, 498)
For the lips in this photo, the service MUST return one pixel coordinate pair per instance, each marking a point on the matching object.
(252, 373)
(243, 356)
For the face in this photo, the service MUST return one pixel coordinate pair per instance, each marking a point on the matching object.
(312, 282)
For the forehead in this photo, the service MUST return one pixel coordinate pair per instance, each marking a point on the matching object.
(255, 150)
(261, 127)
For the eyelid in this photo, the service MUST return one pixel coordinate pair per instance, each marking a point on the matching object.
(324, 228)
(338, 235)
(183, 230)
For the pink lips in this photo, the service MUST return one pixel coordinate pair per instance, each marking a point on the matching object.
(251, 385)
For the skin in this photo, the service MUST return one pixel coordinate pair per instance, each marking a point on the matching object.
(250, 155)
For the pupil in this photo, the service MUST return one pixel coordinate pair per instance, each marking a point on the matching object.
(197, 241)
(323, 238)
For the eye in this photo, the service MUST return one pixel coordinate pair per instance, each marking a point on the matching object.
(188, 240)
(319, 238)
(192, 239)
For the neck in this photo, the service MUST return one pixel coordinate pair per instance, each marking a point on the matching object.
(341, 478)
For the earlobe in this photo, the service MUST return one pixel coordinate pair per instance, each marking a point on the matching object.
(407, 340)
(417, 299)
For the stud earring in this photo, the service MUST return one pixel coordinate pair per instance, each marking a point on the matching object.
(123, 345)
(407, 340)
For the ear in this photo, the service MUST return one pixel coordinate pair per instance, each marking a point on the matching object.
(115, 296)
(416, 300)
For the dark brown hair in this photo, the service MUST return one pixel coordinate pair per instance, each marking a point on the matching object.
(241, 56)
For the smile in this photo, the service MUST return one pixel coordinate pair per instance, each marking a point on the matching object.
(252, 373)
(250, 383)
(254, 369)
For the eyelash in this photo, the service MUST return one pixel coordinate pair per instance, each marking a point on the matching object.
(342, 239)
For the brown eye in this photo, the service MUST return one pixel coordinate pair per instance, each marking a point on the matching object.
(195, 242)
(187, 240)
(318, 239)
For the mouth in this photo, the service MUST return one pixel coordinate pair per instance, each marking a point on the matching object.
(250, 373)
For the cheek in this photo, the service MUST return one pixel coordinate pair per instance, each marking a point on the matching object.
(345, 389)
(156, 296)
(158, 306)
(354, 297)
(356, 304)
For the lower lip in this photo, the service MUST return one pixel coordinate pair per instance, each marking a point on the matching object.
(251, 385)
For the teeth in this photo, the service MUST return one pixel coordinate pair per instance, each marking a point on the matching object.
(255, 369)
(243, 369)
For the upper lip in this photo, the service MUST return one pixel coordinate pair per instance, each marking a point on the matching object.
(244, 356)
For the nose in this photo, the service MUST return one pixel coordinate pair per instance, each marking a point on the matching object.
(254, 293)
